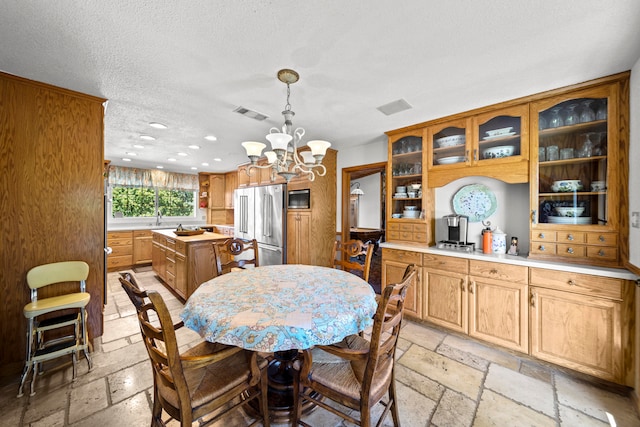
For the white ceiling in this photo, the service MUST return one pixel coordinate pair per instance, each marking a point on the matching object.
(189, 64)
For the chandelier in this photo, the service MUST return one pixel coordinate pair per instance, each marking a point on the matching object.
(284, 158)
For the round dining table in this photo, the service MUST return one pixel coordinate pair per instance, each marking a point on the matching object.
(281, 309)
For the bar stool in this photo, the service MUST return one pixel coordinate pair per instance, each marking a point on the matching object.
(38, 349)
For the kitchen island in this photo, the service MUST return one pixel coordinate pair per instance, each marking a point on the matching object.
(184, 262)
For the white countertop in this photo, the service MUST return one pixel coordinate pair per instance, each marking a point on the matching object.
(618, 273)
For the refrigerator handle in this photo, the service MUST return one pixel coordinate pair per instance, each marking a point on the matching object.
(266, 213)
(266, 248)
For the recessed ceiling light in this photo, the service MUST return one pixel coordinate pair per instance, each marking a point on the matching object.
(138, 146)
(131, 153)
(157, 125)
(193, 168)
(182, 154)
(210, 138)
(217, 159)
(171, 159)
(124, 159)
(147, 137)
(205, 164)
(159, 167)
(194, 147)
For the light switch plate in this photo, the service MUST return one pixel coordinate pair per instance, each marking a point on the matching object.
(635, 219)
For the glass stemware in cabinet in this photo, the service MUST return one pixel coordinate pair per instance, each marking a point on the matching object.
(555, 121)
(573, 118)
(587, 146)
(587, 114)
(601, 114)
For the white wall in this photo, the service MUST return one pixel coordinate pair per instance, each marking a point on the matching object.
(355, 156)
(369, 206)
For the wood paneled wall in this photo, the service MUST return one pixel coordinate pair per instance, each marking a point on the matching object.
(51, 199)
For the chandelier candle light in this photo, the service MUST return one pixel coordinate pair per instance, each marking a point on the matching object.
(284, 158)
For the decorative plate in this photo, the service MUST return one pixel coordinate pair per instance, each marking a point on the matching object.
(476, 201)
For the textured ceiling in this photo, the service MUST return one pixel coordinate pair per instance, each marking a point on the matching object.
(189, 64)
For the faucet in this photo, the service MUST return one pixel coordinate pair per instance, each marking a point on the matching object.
(158, 217)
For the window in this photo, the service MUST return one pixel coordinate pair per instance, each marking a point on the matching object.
(136, 202)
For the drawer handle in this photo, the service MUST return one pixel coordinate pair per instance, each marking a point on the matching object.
(570, 237)
(475, 154)
(601, 238)
(471, 285)
(462, 285)
(570, 250)
(533, 299)
(571, 282)
(601, 252)
(541, 247)
(493, 271)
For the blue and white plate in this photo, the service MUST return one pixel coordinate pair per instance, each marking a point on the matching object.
(476, 201)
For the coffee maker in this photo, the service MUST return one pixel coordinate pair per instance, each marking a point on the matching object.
(454, 230)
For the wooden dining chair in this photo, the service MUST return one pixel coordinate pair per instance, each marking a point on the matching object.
(203, 379)
(236, 253)
(360, 372)
(345, 252)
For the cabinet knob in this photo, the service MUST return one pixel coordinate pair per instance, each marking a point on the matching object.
(541, 248)
(570, 250)
(541, 235)
(493, 271)
(570, 237)
(601, 252)
(466, 156)
(462, 285)
(571, 282)
(533, 299)
(534, 216)
(475, 154)
(471, 285)
(601, 238)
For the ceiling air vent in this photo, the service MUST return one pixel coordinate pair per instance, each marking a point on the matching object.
(395, 107)
(250, 113)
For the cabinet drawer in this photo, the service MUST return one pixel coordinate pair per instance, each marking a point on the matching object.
(171, 280)
(181, 247)
(419, 237)
(447, 263)
(121, 250)
(576, 282)
(406, 227)
(602, 252)
(494, 270)
(171, 244)
(170, 255)
(158, 238)
(394, 226)
(113, 242)
(171, 266)
(569, 250)
(402, 256)
(406, 235)
(543, 236)
(393, 235)
(142, 233)
(119, 235)
(543, 248)
(571, 237)
(119, 261)
(606, 239)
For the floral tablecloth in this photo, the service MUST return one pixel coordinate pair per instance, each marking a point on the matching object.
(280, 307)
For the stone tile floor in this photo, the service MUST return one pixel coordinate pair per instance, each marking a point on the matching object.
(442, 380)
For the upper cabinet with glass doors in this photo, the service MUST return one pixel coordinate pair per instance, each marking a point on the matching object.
(494, 143)
(577, 182)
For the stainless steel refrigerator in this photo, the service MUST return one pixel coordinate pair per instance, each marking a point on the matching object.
(260, 213)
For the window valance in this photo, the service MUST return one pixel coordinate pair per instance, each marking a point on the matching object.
(133, 177)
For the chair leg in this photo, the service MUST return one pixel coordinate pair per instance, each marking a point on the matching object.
(83, 315)
(33, 380)
(29, 355)
(74, 362)
(394, 402)
(264, 402)
(297, 400)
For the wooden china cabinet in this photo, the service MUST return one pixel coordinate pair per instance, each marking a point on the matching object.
(493, 143)
(579, 152)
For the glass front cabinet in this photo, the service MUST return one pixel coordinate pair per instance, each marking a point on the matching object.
(494, 143)
(406, 197)
(576, 179)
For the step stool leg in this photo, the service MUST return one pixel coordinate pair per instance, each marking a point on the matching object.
(33, 381)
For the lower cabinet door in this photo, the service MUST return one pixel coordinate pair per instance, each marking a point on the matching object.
(446, 299)
(498, 312)
(577, 331)
(392, 272)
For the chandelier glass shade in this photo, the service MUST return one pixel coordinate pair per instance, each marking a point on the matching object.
(284, 158)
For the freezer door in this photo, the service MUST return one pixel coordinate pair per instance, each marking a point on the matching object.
(269, 217)
(243, 214)
(270, 255)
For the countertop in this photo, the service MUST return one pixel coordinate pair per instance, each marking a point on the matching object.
(618, 273)
(129, 227)
(189, 239)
